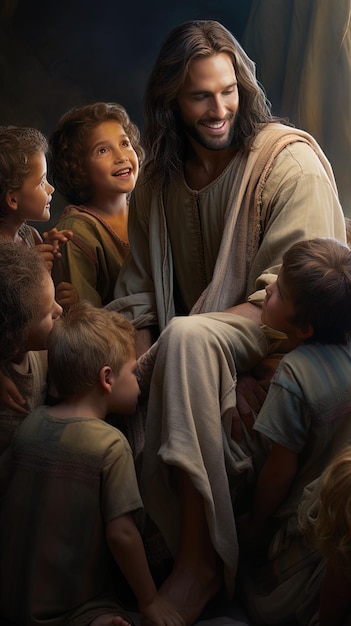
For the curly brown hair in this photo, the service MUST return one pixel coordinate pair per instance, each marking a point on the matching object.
(68, 143)
(17, 145)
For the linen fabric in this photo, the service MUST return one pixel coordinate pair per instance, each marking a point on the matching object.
(188, 423)
(91, 261)
(200, 251)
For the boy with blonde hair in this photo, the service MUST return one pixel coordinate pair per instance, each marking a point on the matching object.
(68, 511)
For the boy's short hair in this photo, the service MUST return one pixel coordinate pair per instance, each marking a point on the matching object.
(83, 341)
(328, 526)
(21, 281)
(17, 145)
(318, 275)
(67, 154)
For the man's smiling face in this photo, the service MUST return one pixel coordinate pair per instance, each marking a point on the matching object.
(209, 101)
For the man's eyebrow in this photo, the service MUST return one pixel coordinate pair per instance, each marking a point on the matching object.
(202, 91)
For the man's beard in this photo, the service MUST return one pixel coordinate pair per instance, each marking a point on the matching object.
(211, 143)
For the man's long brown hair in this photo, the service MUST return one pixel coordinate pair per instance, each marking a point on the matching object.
(163, 136)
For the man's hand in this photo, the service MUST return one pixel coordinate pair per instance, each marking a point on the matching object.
(250, 395)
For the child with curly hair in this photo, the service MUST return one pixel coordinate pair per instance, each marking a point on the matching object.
(25, 194)
(95, 158)
(27, 313)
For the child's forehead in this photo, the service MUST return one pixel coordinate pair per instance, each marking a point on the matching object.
(38, 155)
(37, 161)
(106, 126)
(36, 158)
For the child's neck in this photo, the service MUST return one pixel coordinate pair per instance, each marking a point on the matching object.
(115, 214)
(90, 405)
(9, 230)
(109, 206)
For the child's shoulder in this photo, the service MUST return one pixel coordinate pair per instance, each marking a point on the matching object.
(316, 360)
(92, 437)
(81, 218)
(29, 234)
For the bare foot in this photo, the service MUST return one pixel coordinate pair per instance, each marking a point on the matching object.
(189, 592)
(110, 619)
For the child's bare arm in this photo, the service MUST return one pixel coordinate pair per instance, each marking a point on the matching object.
(127, 548)
(273, 485)
(335, 599)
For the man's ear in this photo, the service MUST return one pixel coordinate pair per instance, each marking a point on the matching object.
(305, 333)
(106, 378)
(11, 199)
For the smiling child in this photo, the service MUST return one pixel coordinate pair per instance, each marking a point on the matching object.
(95, 158)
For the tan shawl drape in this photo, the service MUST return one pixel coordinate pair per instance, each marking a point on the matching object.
(228, 281)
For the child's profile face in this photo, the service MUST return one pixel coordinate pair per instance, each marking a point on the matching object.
(124, 398)
(112, 163)
(34, 197)
(278, 307)
(47, 312)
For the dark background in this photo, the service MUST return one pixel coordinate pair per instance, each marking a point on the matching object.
(58, 54)
(55, 55)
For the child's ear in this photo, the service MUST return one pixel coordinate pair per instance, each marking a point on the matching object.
(106, 378)
(11, 199)
(304, 333)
